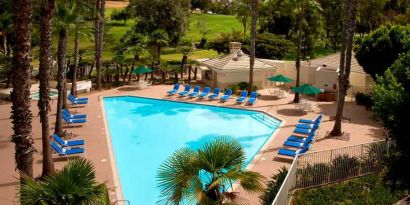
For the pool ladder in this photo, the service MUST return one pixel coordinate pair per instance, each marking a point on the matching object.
(125, 202)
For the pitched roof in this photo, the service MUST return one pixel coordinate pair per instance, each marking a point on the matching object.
(233, 62)
(332, 62)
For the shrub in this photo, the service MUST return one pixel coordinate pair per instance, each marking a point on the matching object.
(273, 187)
(343, 167)
(235, 88)
(122, 15)
(364, 99)
(313, 175)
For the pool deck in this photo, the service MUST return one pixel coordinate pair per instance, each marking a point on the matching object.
(361, 129)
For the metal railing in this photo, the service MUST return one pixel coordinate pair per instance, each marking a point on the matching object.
(330, 166)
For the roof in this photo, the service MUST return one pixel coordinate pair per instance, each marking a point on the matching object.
(233, 62)
(332, 62)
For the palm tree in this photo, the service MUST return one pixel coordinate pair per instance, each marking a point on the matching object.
(136, 44)
(47, 9)
(74, 184)
(20, 96)
(255, 9)
(185, 47)
(206, 176)
(66, 17)
(300, 13)
(99, 38)
(349, 22)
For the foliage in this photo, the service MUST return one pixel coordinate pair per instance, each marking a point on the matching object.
(370, 15)
(391, 96)
(273, 186)
(243, 13)
(271, 46)
(223, 8)
(121, 15)
(169, 15)
(332, 12)
(378, 50)
(221, 43)
(74, 184)
(365, 190)
(205, 176)
(364, 99)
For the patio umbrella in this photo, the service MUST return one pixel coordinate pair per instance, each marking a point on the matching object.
(280, 78)
(141, 70)
(306, 89)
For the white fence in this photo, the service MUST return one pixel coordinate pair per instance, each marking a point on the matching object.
(287, 185)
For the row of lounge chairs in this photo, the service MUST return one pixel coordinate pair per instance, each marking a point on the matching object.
(206, 93)
(302, 138)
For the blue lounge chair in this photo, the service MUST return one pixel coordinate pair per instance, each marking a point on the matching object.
(306, 121)
(76, 116)
(252, 98)
(243, 96)
(174, 90)
(77, 99)
(67, 143)
(299, 144)
(227, 95)
(205, 92)
(77, 102)
(293, 153)
(305, 131)
(308, 126)
(185, 92)
(215, 94)
(296, 138)
(69, 120)
(195, 91)
(66, 150)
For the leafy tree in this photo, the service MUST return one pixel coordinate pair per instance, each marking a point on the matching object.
(271, 46)
(221, 43)
(203, 30)
(277, 17)
(121, 15)
(74, 184)
(378, 50)
(136, 44)
(273, 187)
(6, 25)
(369, 15)
(391, 96)
(349, 21)
(158, 39)
(205, 176)
(168, 15)
(243, 14)
(332, 11)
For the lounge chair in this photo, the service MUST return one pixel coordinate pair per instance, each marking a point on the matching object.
(227, 95)
(75, 116)
(77, 99)
(66, 150)
(215, 94)
(194, 92)
(306, 142)
(174, 90)
(305, 131)
(307, 121)
(293, 153)
(185, 92)
(205, 92)
(296, 138)
(308, 126)
(243, 96)
(69, 120)
(67, 143)
(252, 98)
(73, 101)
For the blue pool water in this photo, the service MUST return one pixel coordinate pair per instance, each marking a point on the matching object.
(145, 132)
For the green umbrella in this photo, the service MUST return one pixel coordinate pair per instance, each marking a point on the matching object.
(306, 89)
(141, 70)
(280, 78)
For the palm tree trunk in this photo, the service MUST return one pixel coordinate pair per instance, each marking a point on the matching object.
(100, 20)
(76, 60)
(20, 96)
(255, 4)
(46, 64)
(345, 62)
(61, 59)
(296, 99)
(189, 73)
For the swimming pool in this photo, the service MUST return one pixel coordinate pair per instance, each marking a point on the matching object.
(36, 95)
(145, 132)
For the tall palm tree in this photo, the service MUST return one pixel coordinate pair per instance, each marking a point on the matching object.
(185, 47)
(99, 38)
(348, 29)
(206, 176)
(300, 13)
(47, 10)
(74, 184)
(20, 96)
(254, 19)
(66, 17)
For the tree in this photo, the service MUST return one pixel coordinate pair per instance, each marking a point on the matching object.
(159, 39)
(272, 46)
(243, 13)
(6, 25)
(205, 176)
(74, 184)
(99, 38)
(203, 30)
(185, 47)
(47, 11)
(349, 21)
(391, 96)
(66, 17)
(273, 186)
(332, 11)
(378, 50)
(369, 15)
(221, 43)
(254, 21)
(20, 96)
(168, 15)
(122, 15)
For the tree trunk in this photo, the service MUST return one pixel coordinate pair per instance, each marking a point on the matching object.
(189, 73)
(61, 58)
(195, 72)
(76, 60)
(46, 64)
(345, 62)
(4, 34)
(125, 74)
(255, 4)
(91, 69)
(296, 99)
(100, 20)
(20, 96)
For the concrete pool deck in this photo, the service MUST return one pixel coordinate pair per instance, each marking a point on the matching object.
(361, 129)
